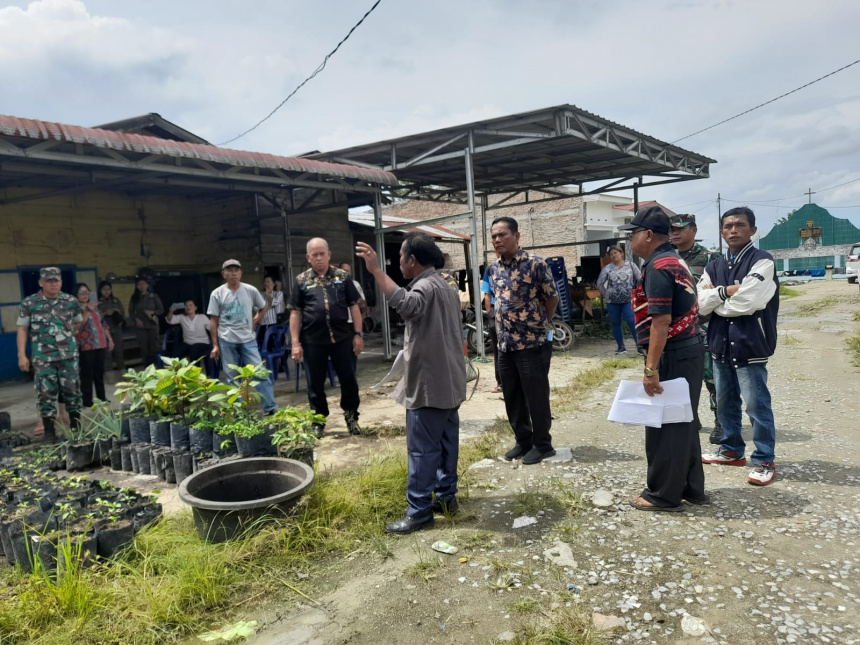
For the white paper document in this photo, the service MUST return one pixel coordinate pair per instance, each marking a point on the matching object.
(632, 406)
(396, 371)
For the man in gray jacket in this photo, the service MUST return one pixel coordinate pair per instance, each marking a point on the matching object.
(434, 379)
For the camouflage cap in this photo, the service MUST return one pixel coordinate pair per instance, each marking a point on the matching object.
(683, 220)
(50, 273)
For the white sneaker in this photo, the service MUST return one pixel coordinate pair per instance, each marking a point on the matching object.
(762, 474)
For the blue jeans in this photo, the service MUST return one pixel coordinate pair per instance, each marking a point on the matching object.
(433, 445)
(247, 354)
(749, 383)
(617, 312)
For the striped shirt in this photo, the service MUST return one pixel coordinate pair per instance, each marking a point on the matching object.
(271, 316)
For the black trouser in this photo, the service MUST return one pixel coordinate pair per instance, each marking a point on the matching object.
(494, 341)
(673, 451)
(525, 386)
(147, 338)
(115, 356)
(316, 369)
(92, 363)
(197, 351)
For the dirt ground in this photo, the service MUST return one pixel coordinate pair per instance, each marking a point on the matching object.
(759, 565)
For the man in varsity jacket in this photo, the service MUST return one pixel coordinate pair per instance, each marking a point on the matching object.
(741, 292)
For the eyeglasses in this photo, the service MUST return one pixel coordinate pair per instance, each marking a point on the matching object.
(637, 230)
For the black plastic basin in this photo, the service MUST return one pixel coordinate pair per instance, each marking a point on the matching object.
(227, 499)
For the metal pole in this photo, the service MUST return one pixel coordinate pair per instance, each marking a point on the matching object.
(381, 304)
(473, 248)
(719, 224)
(485, 202)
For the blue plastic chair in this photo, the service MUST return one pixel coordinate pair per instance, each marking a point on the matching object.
(276, 357)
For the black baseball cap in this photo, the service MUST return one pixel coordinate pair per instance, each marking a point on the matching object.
(653, 218)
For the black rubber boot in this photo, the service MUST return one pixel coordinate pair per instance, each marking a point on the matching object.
(352, 422)
(75, 420)
(50, 435)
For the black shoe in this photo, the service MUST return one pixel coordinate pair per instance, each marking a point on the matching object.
(352, 423)
(410, 524)
(445, 506)
(318, 430)
(50, 435)
(535, 456)
(516, 452)
(716, 437)
(75, 420)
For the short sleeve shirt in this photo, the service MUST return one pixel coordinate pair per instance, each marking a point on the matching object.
(667, 288)
(324, 301)
(235, 311)
(521, 287)
(194, 331)
(51, 324)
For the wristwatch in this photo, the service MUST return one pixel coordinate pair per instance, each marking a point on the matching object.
(649, 372)
(360, 334)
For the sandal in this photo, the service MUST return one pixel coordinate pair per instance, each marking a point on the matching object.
(651, 507)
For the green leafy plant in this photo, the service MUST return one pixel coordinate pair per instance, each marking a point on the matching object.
(243, 398)
(139, 390)
(245, 427)
(294, 429)
(105, 422)
(184, 389)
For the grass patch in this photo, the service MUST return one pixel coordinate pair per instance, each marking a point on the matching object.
(530, 502)
(789, 340)
(566, 626)
(856, 316)
(853, 345)
(524, 606)
(787, 292)
(816, 307)
(426, 566)
(583, 385)
(385, 431)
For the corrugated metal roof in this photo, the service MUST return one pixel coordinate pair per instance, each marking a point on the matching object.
(120, 141)
(648, 204)
(438, 232)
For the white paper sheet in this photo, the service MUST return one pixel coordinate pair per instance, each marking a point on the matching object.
(632, 406)
(396, 371)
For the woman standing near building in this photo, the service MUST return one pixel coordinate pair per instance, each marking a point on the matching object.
(275, 300)
(616, 282)
(94, 341)
(113, 315)
(144, 309)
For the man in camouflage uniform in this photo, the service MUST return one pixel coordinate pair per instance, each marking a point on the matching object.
(683, 237)
(51, 318)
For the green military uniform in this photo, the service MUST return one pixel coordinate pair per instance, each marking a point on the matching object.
(51, 324)
(697, 258)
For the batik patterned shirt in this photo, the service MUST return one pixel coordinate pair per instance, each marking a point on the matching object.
(324, 301)
(521, 288)
(667, 288)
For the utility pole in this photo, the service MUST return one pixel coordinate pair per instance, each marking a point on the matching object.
(719, 224)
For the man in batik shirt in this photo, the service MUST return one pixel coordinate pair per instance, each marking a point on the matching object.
(525, 303)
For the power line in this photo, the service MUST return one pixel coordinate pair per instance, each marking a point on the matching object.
(838, 185)
(797, 89)
(302, 84)
(767, 202)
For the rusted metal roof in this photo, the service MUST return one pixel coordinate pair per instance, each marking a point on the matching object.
(36, 130)
(438, 232)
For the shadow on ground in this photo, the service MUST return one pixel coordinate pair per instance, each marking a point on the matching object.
(752, 503)
(818, 472)
(592, 455)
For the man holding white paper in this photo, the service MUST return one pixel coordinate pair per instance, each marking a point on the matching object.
(666, 309)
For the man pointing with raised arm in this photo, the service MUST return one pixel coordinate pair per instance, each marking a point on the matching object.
(434, 381)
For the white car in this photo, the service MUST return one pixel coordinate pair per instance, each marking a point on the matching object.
(852, 268)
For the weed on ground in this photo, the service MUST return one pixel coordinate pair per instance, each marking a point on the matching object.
(853, 345)
(787, 292)
(813, 308)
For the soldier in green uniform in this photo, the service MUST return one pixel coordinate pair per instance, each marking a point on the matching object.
(683, 237)
(51, 318)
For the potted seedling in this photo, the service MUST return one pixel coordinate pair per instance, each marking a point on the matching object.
(139, 390)
(293, 434)
(107, 430)
(80, 447)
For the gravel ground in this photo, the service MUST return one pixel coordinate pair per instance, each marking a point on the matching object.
(766, 565)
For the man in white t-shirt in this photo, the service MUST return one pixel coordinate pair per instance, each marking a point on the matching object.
(195, 331)
(232, 320)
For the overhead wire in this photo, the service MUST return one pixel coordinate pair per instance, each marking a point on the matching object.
(760, 105)
(320, 68)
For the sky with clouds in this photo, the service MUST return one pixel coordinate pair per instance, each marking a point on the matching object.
(663, 67)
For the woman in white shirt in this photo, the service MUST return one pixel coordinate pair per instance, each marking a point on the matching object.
(275, 300)
(195, 331)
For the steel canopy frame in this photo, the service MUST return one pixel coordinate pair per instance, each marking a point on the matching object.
(541, 150)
